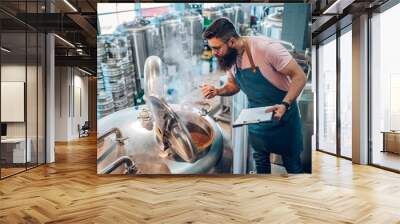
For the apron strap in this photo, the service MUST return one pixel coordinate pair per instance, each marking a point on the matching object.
(247, 49)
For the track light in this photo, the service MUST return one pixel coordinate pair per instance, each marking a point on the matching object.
(70, 5)
(337, 7)
(84, 71)
(5, 50)
(65, 41)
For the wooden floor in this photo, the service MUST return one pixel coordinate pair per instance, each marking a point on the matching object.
(10, 171)
(69, 191)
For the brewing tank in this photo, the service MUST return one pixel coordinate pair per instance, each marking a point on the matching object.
(171, 30)
(144, 148)
(211, 14)
(193, 26)
(153, 40)
(142, 36)
(271, 25)
(158, 137)
(229, 13)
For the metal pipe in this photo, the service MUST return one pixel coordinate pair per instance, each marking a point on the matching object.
(153, 80)
(117, 132)
(129, 164)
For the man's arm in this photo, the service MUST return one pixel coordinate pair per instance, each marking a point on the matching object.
(293, 70)
(229, 89)
(298, 77)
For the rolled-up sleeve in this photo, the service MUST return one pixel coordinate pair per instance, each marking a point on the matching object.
(277, 55)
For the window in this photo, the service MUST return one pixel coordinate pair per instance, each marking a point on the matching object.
(111, 15)
(22, 74)
(327, 96)
(385, 87)
(346, 94)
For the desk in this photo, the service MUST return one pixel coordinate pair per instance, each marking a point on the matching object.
(391, 141)
(13, 150)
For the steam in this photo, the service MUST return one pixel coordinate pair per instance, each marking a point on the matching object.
(183, 71)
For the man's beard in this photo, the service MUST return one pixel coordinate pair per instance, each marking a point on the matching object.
(225, 62)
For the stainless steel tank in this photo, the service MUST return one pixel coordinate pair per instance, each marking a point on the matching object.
(271, 25)
(229, 12)
(158, 138)
(153, 40)
(142, 36)
(235, 20)
(172, 131)
(144, 147)
(171, 29)
(193, 25)
(244, 14)
(241, 18)
(212, 14)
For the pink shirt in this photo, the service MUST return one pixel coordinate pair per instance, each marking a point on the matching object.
(270, 57)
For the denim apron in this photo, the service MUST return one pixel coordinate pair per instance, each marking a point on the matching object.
(282, 137)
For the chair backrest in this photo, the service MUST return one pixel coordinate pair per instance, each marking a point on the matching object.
(86, 125)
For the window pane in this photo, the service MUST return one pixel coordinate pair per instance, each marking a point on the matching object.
(13, 83)
(41, 99)
(31, 97)
(346, 94)
(385, 85)
(327, 97)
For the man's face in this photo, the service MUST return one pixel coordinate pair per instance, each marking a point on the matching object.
(218, 47)
(224, 52)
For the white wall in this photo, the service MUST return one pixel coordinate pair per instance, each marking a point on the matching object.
(11, 73)
(61, 103)
(33, 127)
(70, 83)
(16, 72)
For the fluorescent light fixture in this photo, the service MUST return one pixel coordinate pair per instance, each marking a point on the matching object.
(338, 6)
(5, 50)
(70, 5)
(86, 72)
(330, 8)
(65, 41)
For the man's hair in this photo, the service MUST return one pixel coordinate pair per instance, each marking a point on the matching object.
(221, 28)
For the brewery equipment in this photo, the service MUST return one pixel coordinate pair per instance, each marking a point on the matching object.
(229, 13)
(105, 104)
(114, 83)
(211, 14)
(171, 31)
(116, 74)
(158, 137)
(193, 25)
(271, 25)
(144, 41)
